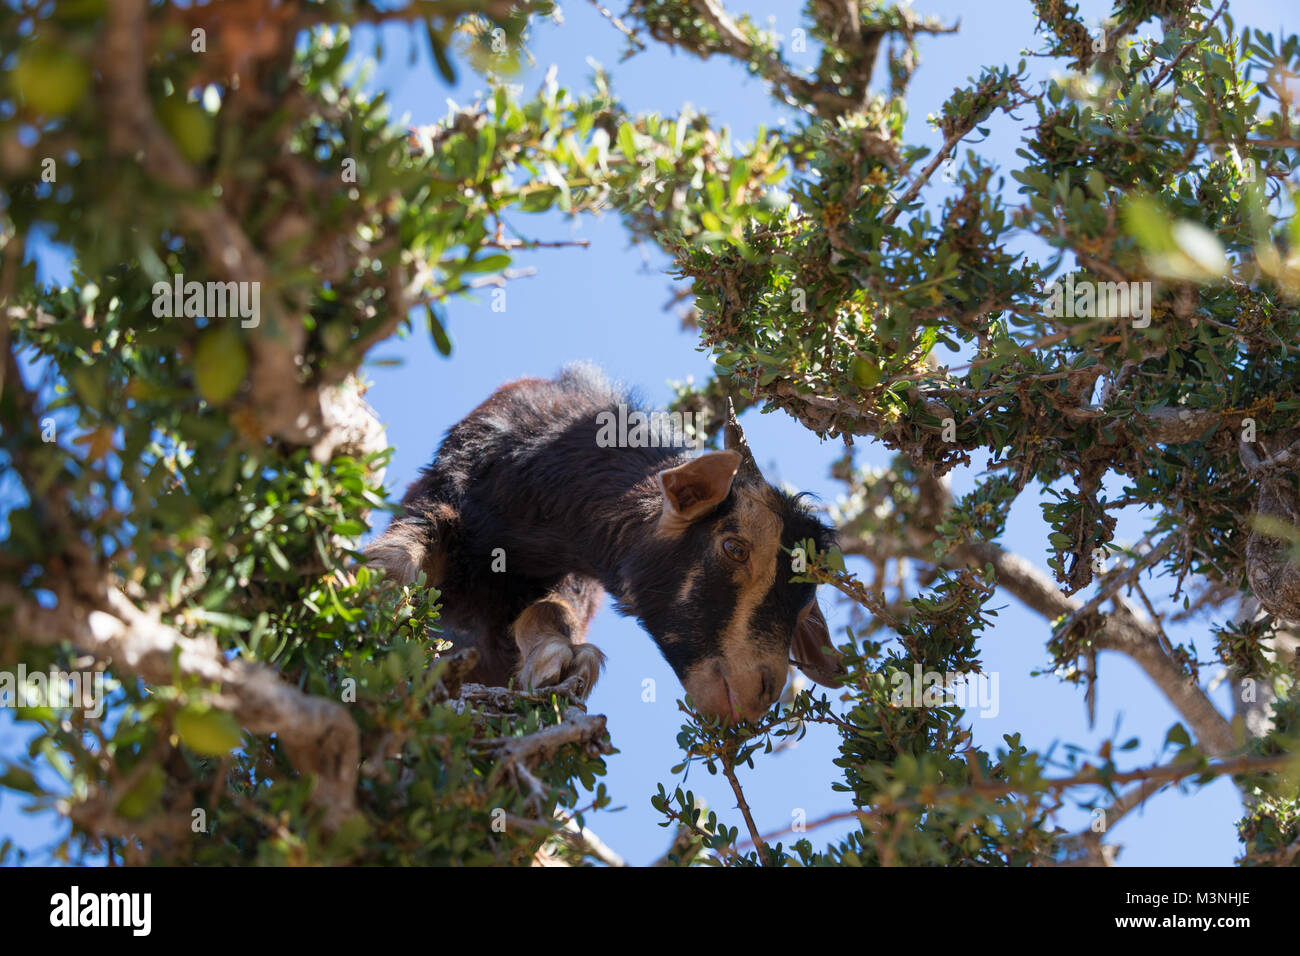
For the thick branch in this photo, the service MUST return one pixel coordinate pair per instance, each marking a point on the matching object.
(317, 734)
(281, 403)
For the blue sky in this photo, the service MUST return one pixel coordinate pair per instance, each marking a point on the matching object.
(605, 304)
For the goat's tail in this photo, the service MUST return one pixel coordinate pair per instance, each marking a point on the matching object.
(414, 542)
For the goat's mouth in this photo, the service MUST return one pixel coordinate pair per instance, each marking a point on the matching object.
(733, 713)
(733, 695)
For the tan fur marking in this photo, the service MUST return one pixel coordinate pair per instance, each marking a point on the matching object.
(551, 646)
(399, 552)
(684, 593)
(762, 527)
(541, 620)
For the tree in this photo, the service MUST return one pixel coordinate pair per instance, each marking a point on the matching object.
(196, 462)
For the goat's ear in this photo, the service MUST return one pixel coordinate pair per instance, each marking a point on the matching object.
(812, 649)
(694, 489)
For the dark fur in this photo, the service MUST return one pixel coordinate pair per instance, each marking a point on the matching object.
(523, 473)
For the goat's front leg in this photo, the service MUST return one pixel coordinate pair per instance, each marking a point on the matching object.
(551, 636)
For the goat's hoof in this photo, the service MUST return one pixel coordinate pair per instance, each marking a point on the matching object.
(556, 661)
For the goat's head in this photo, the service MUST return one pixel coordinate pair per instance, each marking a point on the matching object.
(712, 583)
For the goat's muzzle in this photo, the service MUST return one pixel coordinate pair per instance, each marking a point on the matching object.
(734, 693)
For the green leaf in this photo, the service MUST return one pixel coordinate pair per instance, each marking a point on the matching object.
(18, 778)
(50, 80)
(1147, 222)
(1202, 247)
(627, 142)
(220, 364)
(189, 126)
(441, 341)
(866, 374)
(143, 796)
(229, 622)
(278, 557)
(208, 731)
(438, 46)
(492, 263)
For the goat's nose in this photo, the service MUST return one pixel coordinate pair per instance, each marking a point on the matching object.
(762, 697)
(746, 693)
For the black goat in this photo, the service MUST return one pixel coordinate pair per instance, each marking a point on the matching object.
(527, 514)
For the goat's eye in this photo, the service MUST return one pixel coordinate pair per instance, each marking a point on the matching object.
(736, 550)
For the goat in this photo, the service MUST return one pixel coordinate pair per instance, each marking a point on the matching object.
(523, 520)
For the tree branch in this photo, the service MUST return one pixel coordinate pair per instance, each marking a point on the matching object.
(1120, 630)
(317, 734)
(1157, 776)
